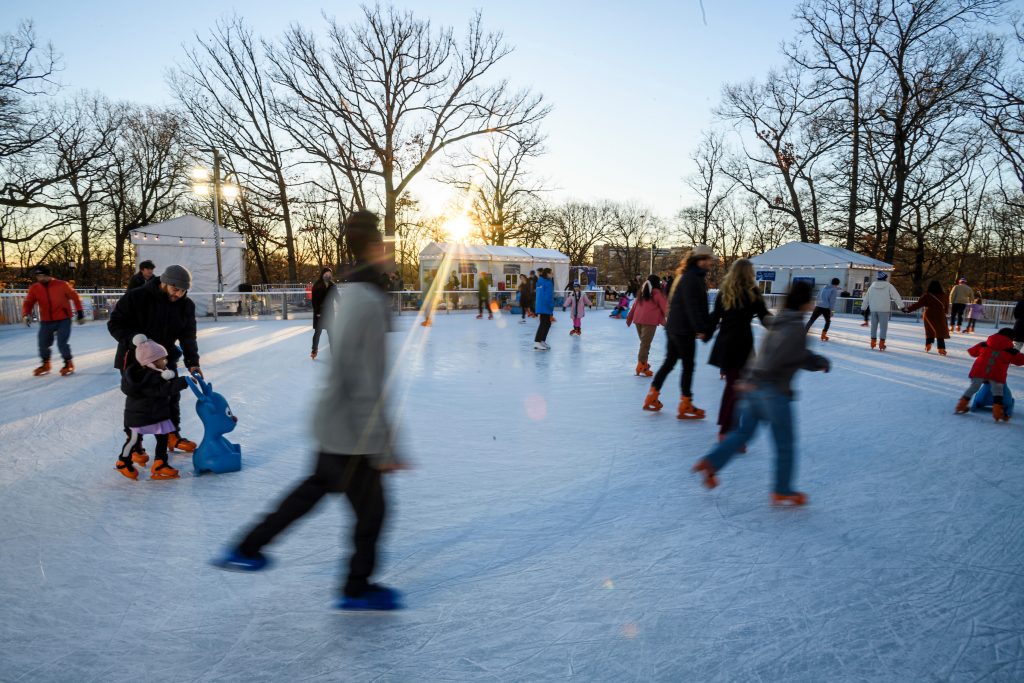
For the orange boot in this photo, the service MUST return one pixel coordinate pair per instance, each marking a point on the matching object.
(161, 470)
(927, 348)
(998, 414)
(687, 411)
(127, 470)
(140, 458)
(874, 343)
(651, 402)
(881, 345)
(179, 443)
(707, 473)
(639, 369)
(647, 370)
(795, 499)
(68, 369)
(824, 337)
(942, 352)
(43, 369)
(962, 406)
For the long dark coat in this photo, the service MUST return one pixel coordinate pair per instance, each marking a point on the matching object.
(735, 341)
(935, 311)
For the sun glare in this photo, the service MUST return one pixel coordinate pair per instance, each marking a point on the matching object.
(458, 227)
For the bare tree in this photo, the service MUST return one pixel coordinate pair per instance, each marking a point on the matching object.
(502, 191)
(400, 92)
(712, 188)
(575, 228)
(790, 130)
(934, 71)
(225, 89)
(634, 232)
(837, 43)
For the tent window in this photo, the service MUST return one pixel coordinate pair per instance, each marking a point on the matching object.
(467, 275)
(511, 272)
(766, 286)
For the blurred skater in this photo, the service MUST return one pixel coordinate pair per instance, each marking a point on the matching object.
(768, 396)
(351, 427)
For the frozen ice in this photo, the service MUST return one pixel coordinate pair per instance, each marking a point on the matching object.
(550, 529)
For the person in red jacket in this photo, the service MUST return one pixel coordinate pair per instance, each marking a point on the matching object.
(57, 302)
(995, 355)
(648, 313)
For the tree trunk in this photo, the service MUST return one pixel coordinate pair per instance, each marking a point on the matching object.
(286, 214)
(899, 189)
(851, 213)
(83, 220)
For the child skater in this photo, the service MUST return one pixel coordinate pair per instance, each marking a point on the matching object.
(768, 396)
(148, 386)
(995, 355)
(975, 312)
(577, 303)
(621, 307)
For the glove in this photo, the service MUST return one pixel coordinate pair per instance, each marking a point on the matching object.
(28, 320)
(81, 317)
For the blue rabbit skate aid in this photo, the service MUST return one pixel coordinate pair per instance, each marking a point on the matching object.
(215, 454)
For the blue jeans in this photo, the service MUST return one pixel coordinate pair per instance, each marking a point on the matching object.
(47, 330)
(764, 404)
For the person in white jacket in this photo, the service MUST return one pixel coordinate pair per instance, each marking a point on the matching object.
(879, 297)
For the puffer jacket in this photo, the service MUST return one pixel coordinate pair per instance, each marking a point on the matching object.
(55, 300)
(577, 307)
(879, 296)
(148, 395)
(995, 355)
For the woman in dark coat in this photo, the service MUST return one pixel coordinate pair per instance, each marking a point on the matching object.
(936, 308)
(321, 288)
(737, 304)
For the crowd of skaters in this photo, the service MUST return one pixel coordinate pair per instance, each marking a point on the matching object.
(154, 325)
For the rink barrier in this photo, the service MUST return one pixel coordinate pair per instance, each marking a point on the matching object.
(294, 304)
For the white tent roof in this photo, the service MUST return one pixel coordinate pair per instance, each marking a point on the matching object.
(188, 228)
(808, 255)
(485, 252)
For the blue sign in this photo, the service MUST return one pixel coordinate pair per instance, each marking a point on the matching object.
(765, 275)
(808, 280)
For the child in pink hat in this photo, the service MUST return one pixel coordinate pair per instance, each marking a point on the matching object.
(148, 386)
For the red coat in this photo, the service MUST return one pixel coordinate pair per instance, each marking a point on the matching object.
(648, 311)
(54, 299)
(995, 355)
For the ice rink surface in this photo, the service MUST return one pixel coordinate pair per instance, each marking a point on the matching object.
(551, 529)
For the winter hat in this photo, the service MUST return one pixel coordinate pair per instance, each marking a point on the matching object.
(177, 276)
(40, 270)
(962, 281)
(147, 351)
(702, 250)
(882, 276)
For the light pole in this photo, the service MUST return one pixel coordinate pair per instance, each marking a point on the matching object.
(200, 186)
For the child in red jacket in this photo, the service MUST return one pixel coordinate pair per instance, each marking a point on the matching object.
(995, 355)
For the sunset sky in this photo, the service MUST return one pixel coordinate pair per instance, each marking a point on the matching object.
(632, 84)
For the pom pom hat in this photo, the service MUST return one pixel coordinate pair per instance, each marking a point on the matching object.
(882, 275)
(147, 351)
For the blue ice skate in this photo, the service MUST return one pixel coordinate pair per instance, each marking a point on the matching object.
(215, 454)
(234, 561)
(375, 598)
(983, 399)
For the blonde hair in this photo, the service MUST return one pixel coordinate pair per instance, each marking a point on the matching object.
(738, 284)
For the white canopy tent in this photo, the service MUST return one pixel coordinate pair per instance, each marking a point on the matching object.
(504, 264)
(188, 241)
(778, 268)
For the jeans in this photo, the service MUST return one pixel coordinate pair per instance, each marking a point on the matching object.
(763, 404)
(880, 319)
(543, 327)
(820, 311)
(680, 347)
(956, 314)
(62, 330)
(364, 488)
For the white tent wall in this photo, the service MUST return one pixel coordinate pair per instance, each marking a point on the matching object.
(491, 260)
(816, 262)
(180, 241)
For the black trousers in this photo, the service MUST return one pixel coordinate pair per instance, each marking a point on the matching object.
(482, 304)
(929, 340)
(361, 484)
(133, 444)
(680, 347)
(543, 327)
(317, 329)
(956, 314)
(820, 311)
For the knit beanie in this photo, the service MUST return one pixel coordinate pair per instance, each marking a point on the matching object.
(883, 276)
(177, 276)
(147, 351)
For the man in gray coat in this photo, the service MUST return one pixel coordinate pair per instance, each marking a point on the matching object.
(351, 427)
